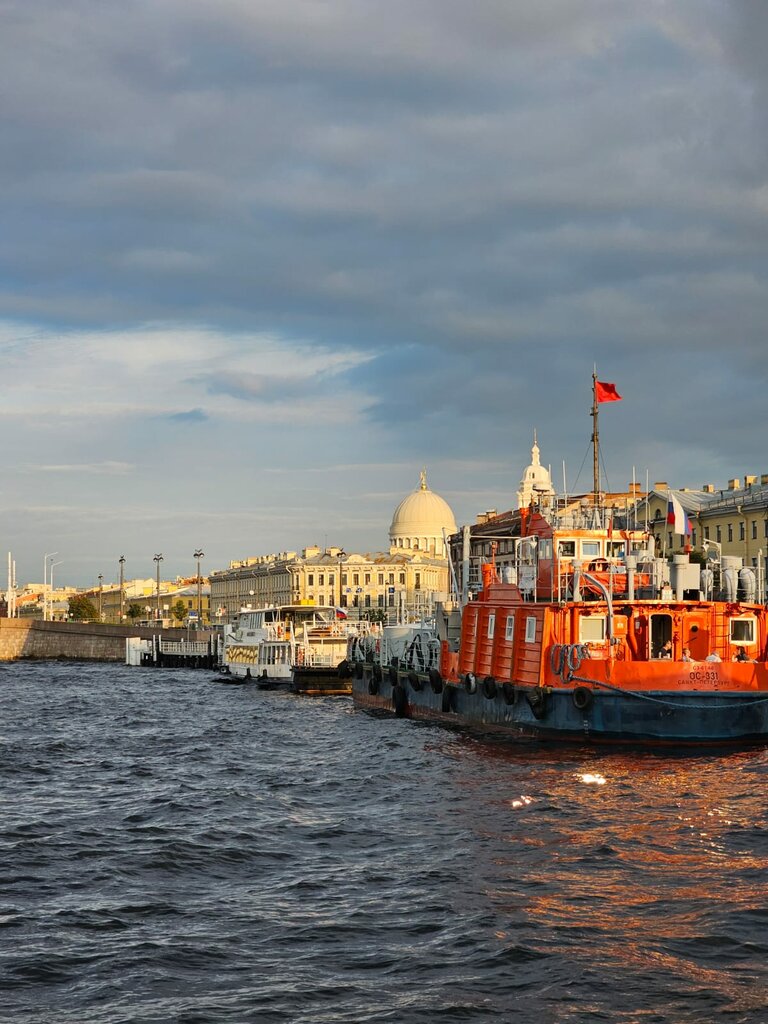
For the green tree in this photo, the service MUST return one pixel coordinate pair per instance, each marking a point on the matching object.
(135, 611)
(179, 611)
(82, 609)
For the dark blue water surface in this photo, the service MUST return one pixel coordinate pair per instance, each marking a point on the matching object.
(174, 849)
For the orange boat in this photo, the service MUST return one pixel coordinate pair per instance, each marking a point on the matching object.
(590, 636)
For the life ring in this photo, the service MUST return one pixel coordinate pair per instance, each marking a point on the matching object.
(399, 701)
(489, 687)
(447, 704)
(582, 698)
(470, 682)
(414, 680)
(508, 691)
(373, 686)
(435, 681)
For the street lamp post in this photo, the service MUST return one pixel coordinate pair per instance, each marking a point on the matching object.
(157, 560)
(199, 553)
(46, 556)
(121, 561)
(341, 555)
(50, 576)
(101, 592)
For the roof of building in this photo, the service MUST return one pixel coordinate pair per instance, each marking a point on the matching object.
(422, 513)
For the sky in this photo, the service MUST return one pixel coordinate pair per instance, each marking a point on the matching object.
(263, 260)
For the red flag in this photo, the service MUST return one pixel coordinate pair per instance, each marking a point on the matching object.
(606, 392)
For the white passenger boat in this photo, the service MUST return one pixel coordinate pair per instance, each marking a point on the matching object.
(299, 646)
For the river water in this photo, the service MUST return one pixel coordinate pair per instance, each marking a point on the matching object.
(177, 850)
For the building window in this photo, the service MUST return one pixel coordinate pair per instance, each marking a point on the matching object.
(742, 530)
(706, 533)
(343, 600)
(391, 601)
(730, 532)
(355, 579)
(417, 584)
(719, 533)
(311, 580)
(693, 538)
(402, 578)
(331, 579)
(381, 579)
(343, 579)
(321, 580)
(754, 529)
(391, 577)
(367, 601)
(367, 578)
(380, 600)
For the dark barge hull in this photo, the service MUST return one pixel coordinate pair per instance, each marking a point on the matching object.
(320, 682)
(688, 718)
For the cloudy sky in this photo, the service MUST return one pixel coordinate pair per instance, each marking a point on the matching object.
(262, 260)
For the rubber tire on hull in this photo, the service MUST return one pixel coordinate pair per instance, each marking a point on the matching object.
(489, 688)
(415, 681)
(447, 704)
(399, 701)
(435, 681)
(509, 693)
(582, 698)
(373, 685)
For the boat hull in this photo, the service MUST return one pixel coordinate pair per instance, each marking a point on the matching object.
(668, 718)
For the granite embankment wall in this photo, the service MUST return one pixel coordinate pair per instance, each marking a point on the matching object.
(80, 641)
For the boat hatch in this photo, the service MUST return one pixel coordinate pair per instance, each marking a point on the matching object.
(660, 632)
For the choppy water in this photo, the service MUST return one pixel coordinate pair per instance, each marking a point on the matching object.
(172, 849)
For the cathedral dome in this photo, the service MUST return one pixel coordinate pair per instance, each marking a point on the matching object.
(419, 521)
(536, 484)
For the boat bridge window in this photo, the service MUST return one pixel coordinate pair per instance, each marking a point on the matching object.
(616, 549)
(742, 631)
(530, 629)
(566, 548)
(509, 633)
(590, 548)
(591, 628)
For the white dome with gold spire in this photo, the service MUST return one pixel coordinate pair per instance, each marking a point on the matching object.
(419, 522)
(536, 485)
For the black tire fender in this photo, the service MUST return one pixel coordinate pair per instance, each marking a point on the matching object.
(435, 681)
(582, 698)
(489, 688)
(399, 700)
(470, 682)
(415, 680)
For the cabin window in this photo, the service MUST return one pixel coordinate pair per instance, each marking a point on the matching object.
(591, 628)
(491, 625)
(545, 548)
(590, 548)
(530, 629)
(566, 549)
(509, 632)
(742, 631)
(616, 548)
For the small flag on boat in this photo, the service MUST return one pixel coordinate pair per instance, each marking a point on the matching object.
(605, 392)
(677, 517)
(340, 613)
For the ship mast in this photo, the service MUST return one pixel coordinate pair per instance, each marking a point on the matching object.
(595, 443)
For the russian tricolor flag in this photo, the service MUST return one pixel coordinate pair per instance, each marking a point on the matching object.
(677, 517)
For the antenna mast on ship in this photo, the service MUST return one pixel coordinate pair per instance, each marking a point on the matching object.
(595, 443)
